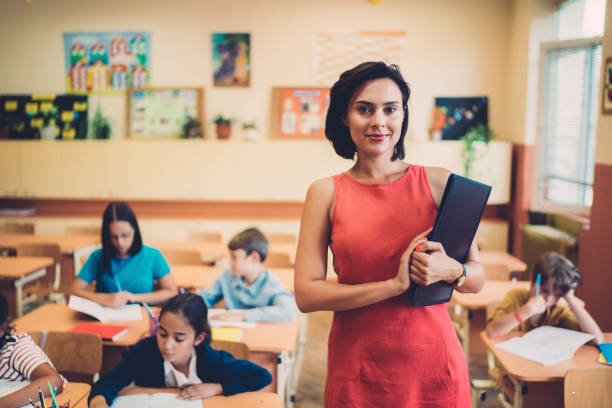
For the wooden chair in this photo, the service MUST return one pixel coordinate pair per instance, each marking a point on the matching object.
(278, 260)
(498, 272)
(83, 230)
(591, 387)
(182, 256)
(14, 228)
(77, 356)
(279, 237)
(205, 237)
(237, 349)
(53, 279)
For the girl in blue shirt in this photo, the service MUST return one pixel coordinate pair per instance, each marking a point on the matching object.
(180, 356)
(124, 269)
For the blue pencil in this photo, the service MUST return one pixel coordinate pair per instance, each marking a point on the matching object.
(538, 279)
(151, 315)
(117, 283)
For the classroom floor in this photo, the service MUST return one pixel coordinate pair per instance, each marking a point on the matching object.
(311, 385)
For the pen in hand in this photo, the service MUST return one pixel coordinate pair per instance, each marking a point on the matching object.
(538, 280)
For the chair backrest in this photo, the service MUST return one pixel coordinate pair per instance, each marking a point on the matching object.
(280, 237)
(237, 349)
(182, 256)
(40, 250)
(497, 271)
(591, 387)
(278, 260)
(14, 228)
(205, 237)
(71, 352)
(83, 230)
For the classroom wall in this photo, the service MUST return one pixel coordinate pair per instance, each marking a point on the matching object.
(452, 48)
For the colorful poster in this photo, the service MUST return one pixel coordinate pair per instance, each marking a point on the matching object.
(303, 112)
(453, 117)
(43, 116)
(606, 104)
(107, 62)
(161, 113)
(231, 58)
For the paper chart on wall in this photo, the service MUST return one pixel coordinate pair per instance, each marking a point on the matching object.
(334, 53)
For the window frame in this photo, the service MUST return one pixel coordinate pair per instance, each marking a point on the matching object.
(537, 202)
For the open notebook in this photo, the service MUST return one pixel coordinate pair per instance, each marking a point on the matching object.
(159, 400)
(103, 313)
(226, 323)
(546, 345)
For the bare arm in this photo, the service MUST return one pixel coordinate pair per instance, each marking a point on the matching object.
(312, 291)
(79, 287)
(585, 320)
(42, 375)
(167, 289)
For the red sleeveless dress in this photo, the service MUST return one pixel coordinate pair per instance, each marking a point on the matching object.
(388, 354)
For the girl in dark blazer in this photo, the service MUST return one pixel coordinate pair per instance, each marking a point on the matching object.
(180, 356)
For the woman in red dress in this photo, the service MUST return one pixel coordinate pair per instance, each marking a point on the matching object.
(375, 217)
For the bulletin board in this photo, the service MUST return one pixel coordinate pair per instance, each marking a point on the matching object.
(299, 112)
(161, 112)
(47, 116)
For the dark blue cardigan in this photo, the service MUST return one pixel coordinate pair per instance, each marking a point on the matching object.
(143, 364)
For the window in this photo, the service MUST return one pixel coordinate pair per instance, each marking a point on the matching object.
(569, 109)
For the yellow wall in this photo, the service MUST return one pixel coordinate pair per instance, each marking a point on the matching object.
(453, 48)
(603, 152)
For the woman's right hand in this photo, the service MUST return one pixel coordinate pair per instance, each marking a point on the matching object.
(402, 279)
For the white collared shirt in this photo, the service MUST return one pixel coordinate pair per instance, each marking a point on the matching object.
(175, 379)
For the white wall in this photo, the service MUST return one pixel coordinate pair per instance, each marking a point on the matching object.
(453, 48)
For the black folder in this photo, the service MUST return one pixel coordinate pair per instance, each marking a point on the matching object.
(460, 211)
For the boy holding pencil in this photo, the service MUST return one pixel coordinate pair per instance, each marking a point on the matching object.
(554, 277)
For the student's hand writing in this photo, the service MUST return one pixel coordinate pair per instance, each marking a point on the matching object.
(118, 299)
(427, 268)
(200, 391)
(233, 315)
(402, 278)
(535, 305)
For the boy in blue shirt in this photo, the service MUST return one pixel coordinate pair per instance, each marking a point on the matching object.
(251, 292)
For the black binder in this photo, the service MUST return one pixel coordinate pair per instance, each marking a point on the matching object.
(461, 209)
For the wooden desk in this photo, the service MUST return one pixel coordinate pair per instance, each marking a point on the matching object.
(54, 317)
(248, 399)
(501, 257)
(214, 251)
(193, 278)
(539, 385)
(473, 311)
(73, 246)
(15, 272)
(74, 392)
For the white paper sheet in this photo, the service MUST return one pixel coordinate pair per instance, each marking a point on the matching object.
(159, 400)
(105, 314)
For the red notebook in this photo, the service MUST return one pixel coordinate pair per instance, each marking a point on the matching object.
(105, 331)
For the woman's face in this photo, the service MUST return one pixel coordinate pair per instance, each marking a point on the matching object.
(374, 117)
(176, 338)
(122, 237)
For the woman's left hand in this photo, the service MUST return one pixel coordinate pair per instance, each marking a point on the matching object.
(427, 268)
(200, 391)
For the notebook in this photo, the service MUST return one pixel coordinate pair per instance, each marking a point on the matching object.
(105, 314)
(226, 333)
(105, 331)
(227, 323)
(546, 345)
(158, 400)
(460, 211)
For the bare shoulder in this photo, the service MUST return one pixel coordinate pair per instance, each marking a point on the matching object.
(321, 190)
(437, 178)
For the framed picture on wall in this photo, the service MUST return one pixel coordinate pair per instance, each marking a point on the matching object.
(606, 103)
(454, 116)
(231, 59)
(300, 112)
(163, 112)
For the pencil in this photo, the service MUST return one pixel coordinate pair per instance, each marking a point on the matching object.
(42, 399)
(538, 280)
(52, 396)
(148, 309)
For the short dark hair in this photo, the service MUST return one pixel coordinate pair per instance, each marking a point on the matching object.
(194, 310)
(6, 336)
(251, 239)
(342, 92)
(564, 275)
(117, 211)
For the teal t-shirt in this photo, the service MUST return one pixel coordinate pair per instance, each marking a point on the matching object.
(135, 274)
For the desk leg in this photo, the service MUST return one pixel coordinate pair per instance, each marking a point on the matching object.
(19, 287)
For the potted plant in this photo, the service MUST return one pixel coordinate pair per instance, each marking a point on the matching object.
(224, 126)
(250, 131)
(100, 125)
(476, 142)
(48, 130)
(192, 129)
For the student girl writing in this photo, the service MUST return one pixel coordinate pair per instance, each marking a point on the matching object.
(124, 269)
(181, 356)
(21, 359)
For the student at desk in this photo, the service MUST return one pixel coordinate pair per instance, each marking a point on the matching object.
(124, 269)
(251, 292)
(180, 356)
(21, 359)
(527, 309)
